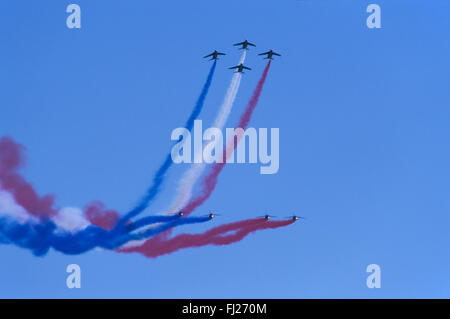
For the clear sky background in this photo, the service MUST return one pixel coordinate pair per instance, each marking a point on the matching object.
(364, 141)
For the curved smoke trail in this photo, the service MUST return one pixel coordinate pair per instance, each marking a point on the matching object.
(30, 221)
(69, 230)
(210, 180)
(40, 237)
(160, 174)
(218, 236)
(11, 161)
(23, 202)
(188, 181)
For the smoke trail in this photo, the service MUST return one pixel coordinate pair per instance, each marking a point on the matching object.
(11, 161)
(9, 207)
(160, 174)
(40, 237)
(242, 233)
(227, 105)
(162, 239)
(144, 221)
(97, 214)
(191, 176)
(151, 232)
(217, 236)
(70, 229)
(247, 115)
(210, 181)
(13, 187)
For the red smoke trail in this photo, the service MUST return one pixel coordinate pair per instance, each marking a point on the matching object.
(12, 159)
(217, 236)
(241, 234)
(210, 181)
(245, 118)
(97, 214)
(162, 238)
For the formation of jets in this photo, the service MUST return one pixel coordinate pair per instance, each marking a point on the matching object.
(244, 45)
(211, 215)
(239, 69)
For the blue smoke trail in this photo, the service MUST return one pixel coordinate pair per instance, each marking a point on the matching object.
(160, 174)
(39, 238)
(144, 221)
(182, 221)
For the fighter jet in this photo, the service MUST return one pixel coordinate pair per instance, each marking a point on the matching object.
(295, 217)
(213, 55)
(266, 217)
(180, 213)
(240, 68)
(244, 44)
(269, 54)
(212, 215)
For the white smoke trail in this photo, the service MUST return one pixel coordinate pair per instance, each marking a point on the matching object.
(68, 218)
(191, 176)
(71, 219)
(9, 207)
(189, 179)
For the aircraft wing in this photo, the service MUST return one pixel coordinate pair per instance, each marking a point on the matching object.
(244, 67)
(206, 56)
(234, 67)
(251, 44)
(221, 53)
(240, 43)
(264, 53)
(274, 53)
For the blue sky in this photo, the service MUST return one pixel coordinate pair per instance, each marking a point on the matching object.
(363, 117)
